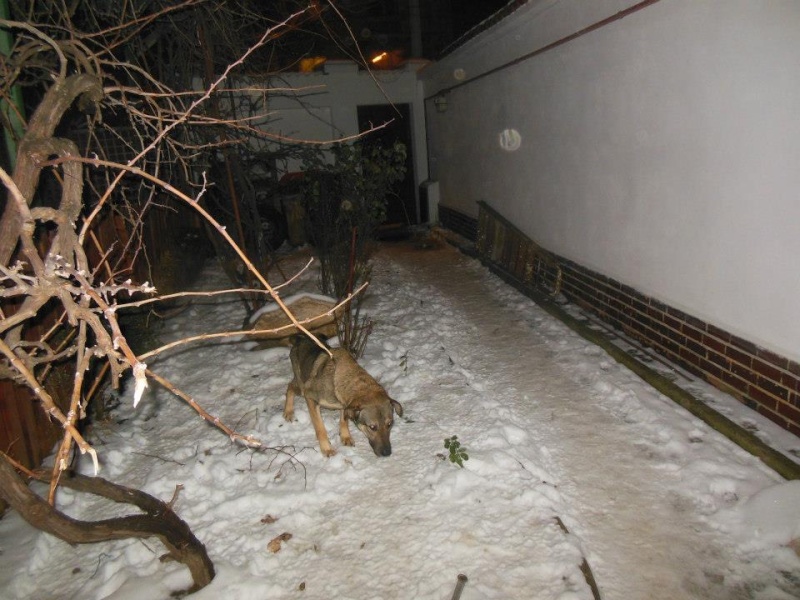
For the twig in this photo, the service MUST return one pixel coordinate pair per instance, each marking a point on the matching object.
(161, 458)
(460, 583)
(208, 294)
(18, 465)
(190, 110)
(248, 440)
(585, 568)
(50, 406)
(175, 494)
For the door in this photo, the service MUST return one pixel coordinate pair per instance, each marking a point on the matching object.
(402, 207)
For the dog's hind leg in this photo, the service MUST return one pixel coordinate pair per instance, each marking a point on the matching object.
(344, 431)
(319, 428)
(288, 407)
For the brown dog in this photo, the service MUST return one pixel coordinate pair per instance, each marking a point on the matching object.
(337, 382)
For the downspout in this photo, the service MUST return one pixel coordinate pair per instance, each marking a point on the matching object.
(415, 22)
(13, 112)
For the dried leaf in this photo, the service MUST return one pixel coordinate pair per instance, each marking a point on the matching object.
(269, 520)
(275, 545)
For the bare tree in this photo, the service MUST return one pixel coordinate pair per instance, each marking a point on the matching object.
(88, 77)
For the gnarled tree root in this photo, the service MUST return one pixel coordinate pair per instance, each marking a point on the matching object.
(159, 520)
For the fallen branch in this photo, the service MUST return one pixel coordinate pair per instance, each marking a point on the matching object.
(159, 520)
(290, 328)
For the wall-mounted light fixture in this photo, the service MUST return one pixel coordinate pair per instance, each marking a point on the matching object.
(510, 140)
(440, 102)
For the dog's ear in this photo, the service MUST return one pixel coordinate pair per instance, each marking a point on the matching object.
(398, 408)
(352, 414)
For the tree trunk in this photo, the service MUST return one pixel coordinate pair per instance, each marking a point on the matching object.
(41, 126)
(159, 519)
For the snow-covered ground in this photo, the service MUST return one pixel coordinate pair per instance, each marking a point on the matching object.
(657, 504)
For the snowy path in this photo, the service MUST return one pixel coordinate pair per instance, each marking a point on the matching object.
(554, 428)
(639, 542)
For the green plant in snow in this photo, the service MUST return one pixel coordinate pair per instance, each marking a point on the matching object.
(346, 194)
(345, 202)
(458, 454)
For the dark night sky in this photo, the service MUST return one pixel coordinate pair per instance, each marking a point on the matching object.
(443, 21)
(385, 25)
(467, 13)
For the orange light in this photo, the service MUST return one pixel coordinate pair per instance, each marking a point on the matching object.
(309, 65)
(379, 58)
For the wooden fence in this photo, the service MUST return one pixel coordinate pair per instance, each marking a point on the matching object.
(503, 245)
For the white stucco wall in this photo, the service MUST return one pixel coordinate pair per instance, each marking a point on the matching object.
(662, 150)
(322, 106)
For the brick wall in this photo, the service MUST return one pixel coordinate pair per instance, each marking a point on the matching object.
(763, 380)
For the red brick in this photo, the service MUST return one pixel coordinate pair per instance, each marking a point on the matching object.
(714, 344)
(689, 356)
(794, 368)
(735, 382)
(672, 322)
(773, 388)
(744, 345)
(745, 373)
(773, 358)
(767, 370)
(710, 368)
(719, 333)
(789, 411)
(790, 381)
(639, 306)
(720, 360)
(762, 398)
(692, 332)
(741, 357)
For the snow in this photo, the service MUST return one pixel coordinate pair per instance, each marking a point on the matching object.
(658, 504)
(289, 300)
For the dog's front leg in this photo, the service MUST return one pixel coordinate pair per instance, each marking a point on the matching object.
(319, 428)
(344, 431)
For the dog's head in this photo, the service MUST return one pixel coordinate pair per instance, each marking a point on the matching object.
(375, 421)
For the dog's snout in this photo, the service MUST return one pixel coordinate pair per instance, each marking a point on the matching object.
(381, 449)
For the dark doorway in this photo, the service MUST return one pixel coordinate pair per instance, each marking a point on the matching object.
(402, 208)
